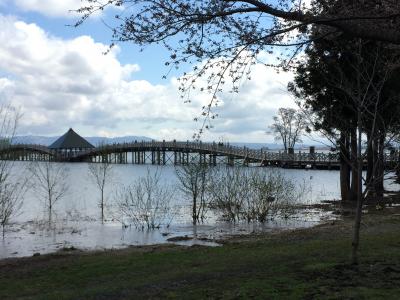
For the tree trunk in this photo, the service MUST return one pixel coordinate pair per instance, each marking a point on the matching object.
(356, 234)
(194, 211)
(50, 216)
(370, 158)
(379, 189)
(398, 166)
(354, 167)
(102, 206)
(344, 167)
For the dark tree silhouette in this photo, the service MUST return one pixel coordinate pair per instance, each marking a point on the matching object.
(347, 85)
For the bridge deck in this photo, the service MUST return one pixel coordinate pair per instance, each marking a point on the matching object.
(182, 151)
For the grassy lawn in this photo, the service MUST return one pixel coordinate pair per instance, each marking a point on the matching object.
(302, 264)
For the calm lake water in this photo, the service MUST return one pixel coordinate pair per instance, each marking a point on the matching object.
(78, 222)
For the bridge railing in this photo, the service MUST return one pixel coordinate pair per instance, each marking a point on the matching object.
(212, 148)
(217, 148)
(34, 147)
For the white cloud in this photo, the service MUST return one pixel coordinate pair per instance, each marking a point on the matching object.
(50, 8)
(70, 83)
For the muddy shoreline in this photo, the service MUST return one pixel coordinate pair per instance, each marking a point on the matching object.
(341, 225)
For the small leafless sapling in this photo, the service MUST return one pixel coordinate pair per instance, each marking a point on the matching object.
(11, 190)
(101, 174)
(11, 200)
(193, 180)
(270, 193)
(228, 191)
(49, 183)
(146, 203)
(252, 195)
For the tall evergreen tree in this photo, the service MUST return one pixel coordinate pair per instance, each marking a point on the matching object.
(347, 85)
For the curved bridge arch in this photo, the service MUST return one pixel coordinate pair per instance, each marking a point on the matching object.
(161, 153)
(181, 153)
(163, 147)
(27, 152)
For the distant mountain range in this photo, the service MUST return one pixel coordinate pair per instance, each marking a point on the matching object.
(95, 140)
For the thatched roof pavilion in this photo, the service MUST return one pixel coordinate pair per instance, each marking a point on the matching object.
(71, 142)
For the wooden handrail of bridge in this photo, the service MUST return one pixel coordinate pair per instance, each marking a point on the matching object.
(255, 155)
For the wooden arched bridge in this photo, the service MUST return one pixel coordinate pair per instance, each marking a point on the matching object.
(177, 153)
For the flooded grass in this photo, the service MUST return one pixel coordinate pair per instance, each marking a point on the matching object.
(297, 264)
(37, 236)
(76, 218)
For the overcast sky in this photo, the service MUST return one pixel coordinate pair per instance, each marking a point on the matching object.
(60, 78)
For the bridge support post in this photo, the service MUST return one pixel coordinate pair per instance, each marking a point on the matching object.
(246, 162)
(231, 161)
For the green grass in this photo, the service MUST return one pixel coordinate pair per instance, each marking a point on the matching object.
(309, 264)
